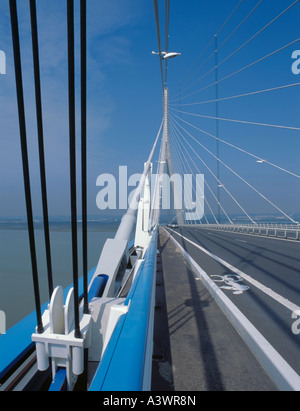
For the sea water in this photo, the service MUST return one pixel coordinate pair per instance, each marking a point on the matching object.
(16, 285)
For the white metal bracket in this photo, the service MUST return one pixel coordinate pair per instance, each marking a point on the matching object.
(58, 342)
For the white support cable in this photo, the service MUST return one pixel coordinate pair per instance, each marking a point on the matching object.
(202, 65)
(238, 148)
(177, 140)
(153, 204)
(247, 42)
(230, 17)
(154, 200)
(240, 25)
(238, 121)
(260, 31)
(237, 96)
(192, 188)
(205, 182)
(205, 199)
(211, 191)
(219, 48)
(242, 179)
(183, 170)
(212, 40)
(180, 168)
(240, 70)
(218, 180)
(204, 75)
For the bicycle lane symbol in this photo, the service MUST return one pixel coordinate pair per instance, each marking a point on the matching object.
(231, 282)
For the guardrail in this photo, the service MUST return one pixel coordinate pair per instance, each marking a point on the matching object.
(127, 362)
(286, 231)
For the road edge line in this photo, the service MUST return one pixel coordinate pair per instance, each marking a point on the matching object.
(280, 372)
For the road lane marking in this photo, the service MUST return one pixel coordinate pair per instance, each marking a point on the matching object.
(277, 297)
(283, 375)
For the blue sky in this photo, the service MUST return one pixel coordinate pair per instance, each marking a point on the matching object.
(125, 96)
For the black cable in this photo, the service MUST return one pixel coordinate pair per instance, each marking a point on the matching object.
(23, 139)
(71, 84)
(84, 152)
(37, 80)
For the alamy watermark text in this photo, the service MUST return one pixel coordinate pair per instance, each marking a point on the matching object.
(187, 192)
(296, 64)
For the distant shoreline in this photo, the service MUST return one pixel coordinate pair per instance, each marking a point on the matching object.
(108, 223)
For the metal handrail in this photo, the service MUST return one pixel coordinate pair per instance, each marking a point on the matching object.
(127, 361)
(264, 229)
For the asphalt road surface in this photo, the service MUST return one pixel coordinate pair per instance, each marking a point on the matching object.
(260, 275)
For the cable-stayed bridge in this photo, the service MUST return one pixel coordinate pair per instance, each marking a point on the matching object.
(208, 302)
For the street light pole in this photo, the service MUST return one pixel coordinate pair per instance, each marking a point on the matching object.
(217, 124)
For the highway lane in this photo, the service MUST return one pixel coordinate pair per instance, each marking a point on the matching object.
(273, 290)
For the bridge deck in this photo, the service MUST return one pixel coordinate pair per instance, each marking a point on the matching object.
(195, 346)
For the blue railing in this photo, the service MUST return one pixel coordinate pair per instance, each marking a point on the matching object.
(126, 361)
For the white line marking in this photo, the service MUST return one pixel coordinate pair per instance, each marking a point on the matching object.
(283, 375)
(277, 297)
(240, 241)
